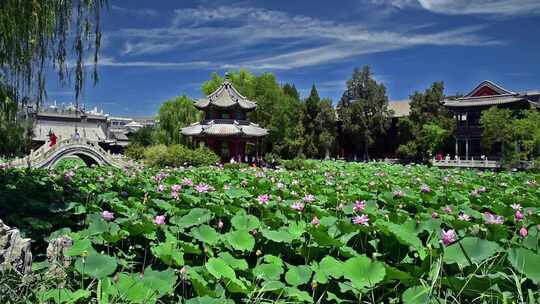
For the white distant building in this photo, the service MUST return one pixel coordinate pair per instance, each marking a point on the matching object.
(112, 133)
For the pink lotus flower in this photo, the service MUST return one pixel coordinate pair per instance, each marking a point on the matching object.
(361, 220)
(398, 193)
(523, 232)
(493, 219)
(447, 209)
(448, 236)
(161, 188)
(202, 188)
(309, 198)
(315, 221)
(299, 206)
(159, 220)
(175, 195)
(183, 271)
(434, 215)
(160, 176)
(519, 216)
(359, 206)
(68, 176)
(516, 206)
(176, 188)
(464, 217)
(187, 181)
(264, 199)
(425, 188)
(107, 215)
(220, 224)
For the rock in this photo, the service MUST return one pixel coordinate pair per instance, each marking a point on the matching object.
(14, 250)
(58, 262)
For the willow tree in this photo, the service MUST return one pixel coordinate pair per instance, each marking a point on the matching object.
(37, 36)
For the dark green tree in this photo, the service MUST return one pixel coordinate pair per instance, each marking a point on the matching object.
(144, 137)
(174, 115)
(312, 109)
(428, 126)
(363, 110)
(325, 122)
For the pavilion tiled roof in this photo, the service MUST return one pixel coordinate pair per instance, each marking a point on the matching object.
(226, 96)
(214, 128)
(497, 96)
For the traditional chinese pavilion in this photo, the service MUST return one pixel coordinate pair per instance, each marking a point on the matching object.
(468, 109)
(225, 128)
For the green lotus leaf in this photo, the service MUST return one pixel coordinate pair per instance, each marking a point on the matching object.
(363, 272)
(195, 217)
(219, 268)
(96, 265)
(206, 234)
(298, 275)
(476, 249)
(416, 295)
(238, 264)
(525, 262)
(245, 221)
(268, 272)
(404, 234)
(241, 240)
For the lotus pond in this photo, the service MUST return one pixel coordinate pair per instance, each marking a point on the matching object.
(337, 233)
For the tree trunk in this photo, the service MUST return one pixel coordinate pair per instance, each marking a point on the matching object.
(366, 151)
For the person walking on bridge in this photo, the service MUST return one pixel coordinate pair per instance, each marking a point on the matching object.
(52, 139)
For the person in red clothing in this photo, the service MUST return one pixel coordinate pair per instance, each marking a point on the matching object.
(52, 139)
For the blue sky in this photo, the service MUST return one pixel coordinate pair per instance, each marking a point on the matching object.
(155, 50)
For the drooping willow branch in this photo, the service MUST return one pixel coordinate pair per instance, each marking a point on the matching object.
(36, 36)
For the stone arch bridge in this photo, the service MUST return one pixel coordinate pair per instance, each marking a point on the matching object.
(89, 151)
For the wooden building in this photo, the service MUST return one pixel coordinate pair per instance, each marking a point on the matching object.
(468, 109)
(225, 127)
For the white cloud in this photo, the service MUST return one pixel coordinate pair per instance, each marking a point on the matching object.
(468, 7)
(139, 12)
(256, 38)
(498, 7)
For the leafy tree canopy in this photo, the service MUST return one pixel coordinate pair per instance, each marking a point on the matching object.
(363, 109)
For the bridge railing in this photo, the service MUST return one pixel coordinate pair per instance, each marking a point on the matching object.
(46, 151)
(488, 164)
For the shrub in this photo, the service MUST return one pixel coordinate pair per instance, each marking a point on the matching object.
(235, 166)
(299, 164)
(203, 156)
(178, 155)
(156, 156)
(135, 151)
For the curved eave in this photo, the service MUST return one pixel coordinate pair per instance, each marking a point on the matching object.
(463, 103)
(226, 96)
(224, 130)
